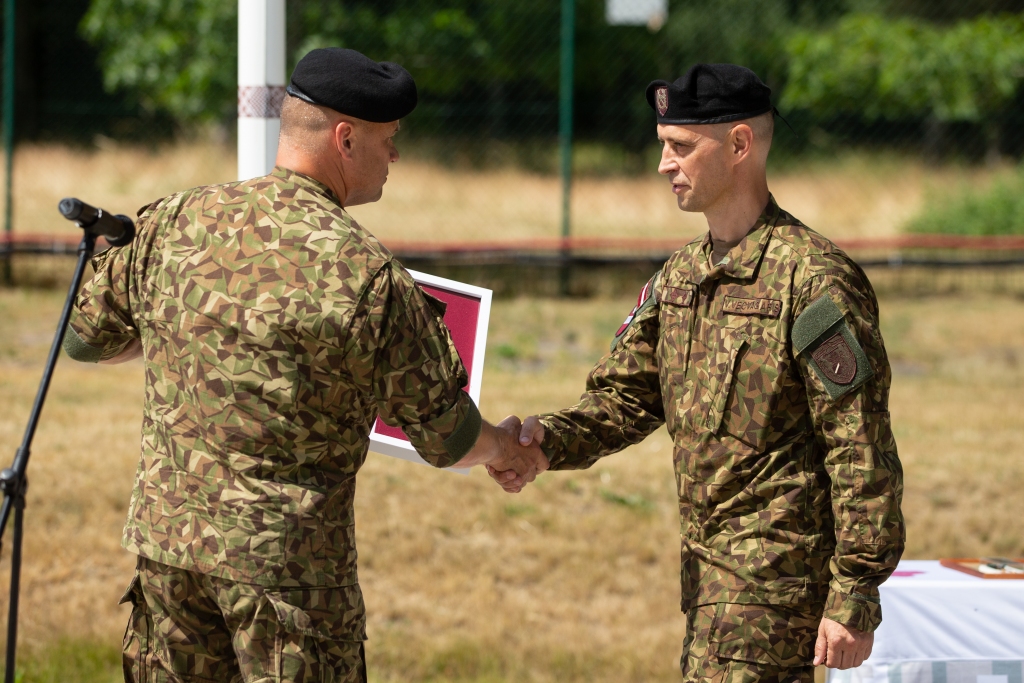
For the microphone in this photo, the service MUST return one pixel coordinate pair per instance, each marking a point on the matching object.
(119, 230)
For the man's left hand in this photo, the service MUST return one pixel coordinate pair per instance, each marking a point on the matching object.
(841, 647)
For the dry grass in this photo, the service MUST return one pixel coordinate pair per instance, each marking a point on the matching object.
(855, 196)
(576, 579)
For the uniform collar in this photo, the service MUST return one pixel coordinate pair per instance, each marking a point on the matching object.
(309, 183)
(743, 259)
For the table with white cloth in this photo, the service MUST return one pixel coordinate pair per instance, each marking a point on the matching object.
(940, 625)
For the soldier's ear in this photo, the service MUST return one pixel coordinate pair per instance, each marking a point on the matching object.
(740, 141)
(344, 134)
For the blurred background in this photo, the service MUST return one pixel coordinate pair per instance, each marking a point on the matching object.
(530, 167)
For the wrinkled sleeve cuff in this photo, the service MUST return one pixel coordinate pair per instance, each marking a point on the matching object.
(78, 349)
(553, 444)
(854, 610)
(444, 440)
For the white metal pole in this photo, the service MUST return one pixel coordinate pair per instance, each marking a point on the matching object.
(260, 84)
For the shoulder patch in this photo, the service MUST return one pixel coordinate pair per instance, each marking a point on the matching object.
(836, 356)
(645, 300)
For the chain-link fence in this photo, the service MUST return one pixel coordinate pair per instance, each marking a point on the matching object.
(901, 116)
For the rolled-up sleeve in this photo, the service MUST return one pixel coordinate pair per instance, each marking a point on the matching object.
(101, 323)
(417, 377)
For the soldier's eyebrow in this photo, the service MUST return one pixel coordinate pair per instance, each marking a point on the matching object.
(676, 141)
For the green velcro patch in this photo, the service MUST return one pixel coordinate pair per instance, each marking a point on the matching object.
(814, 322)
(77, 349)
(462, 440)
(836, 355)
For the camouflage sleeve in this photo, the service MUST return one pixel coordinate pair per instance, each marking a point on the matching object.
(841, 357)
(622, 404)
(101, 323)
(417, 375)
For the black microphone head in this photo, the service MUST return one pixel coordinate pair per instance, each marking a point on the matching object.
(127, 236)
(70, 208)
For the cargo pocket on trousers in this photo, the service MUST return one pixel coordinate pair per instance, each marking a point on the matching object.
(136, 646)
(721, 380)
(297, 656)
(772, 635)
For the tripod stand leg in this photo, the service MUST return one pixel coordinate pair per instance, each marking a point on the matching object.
(12, 479)
(12, 610)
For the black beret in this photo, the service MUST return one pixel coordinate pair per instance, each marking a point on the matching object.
(351, 83)
(710, 93)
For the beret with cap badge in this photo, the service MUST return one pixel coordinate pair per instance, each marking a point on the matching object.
(710, 93)
(351, 83)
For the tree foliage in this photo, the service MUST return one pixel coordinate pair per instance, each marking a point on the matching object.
(998, 210)
(898, 68)
(175, 55)
(478, 62)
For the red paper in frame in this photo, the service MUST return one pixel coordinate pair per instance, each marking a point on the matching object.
(466, 317)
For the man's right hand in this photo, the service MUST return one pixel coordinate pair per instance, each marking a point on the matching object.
(841, 647)
(500, 449)
(530, 435)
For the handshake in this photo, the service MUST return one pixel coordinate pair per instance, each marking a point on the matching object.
(511, 452)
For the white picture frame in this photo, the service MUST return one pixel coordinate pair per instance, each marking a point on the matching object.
(400, 447)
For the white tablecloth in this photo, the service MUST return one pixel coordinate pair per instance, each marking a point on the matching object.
(943, 626)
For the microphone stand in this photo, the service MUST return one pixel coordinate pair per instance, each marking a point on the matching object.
(13, 483)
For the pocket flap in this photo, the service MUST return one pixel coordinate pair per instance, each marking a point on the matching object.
(129, 592)
(679, 296)
(335, 613)
(297, 620)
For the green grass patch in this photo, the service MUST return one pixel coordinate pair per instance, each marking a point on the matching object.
(70, 661)
(633, 501)
(518, 509)
(997, 210)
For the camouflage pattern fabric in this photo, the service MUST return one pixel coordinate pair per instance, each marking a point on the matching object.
(274, 329)
(789, 490)
(737, 643)
(187, 627)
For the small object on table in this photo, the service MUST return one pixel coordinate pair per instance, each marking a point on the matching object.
(987, 567)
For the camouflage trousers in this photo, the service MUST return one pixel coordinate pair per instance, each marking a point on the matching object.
(188, 627)
(730, 643)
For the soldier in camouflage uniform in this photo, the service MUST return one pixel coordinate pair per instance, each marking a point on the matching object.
(274, 330)
(758, 346)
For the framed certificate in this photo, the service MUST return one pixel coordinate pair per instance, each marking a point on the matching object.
(467, 317)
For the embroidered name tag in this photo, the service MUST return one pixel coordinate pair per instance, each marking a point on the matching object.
(677, 296)
(771, 308)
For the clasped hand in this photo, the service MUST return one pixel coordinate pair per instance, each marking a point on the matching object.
(529, 434)
(501, 449)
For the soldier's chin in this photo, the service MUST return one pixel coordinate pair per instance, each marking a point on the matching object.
(687, 202)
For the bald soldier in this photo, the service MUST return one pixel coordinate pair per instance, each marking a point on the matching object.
(274, 330)
(758, 346)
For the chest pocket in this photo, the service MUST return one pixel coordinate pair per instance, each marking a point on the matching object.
(675, 313)
(674, 347)
(721, 380)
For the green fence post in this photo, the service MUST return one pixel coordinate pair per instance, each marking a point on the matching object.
(565, 127)
(8, 116)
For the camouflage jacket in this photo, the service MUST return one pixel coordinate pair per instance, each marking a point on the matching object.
(274, 330)
(770, 373)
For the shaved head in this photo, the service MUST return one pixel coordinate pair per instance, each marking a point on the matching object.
(763, 128)
(306, 126)
(349, 155)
